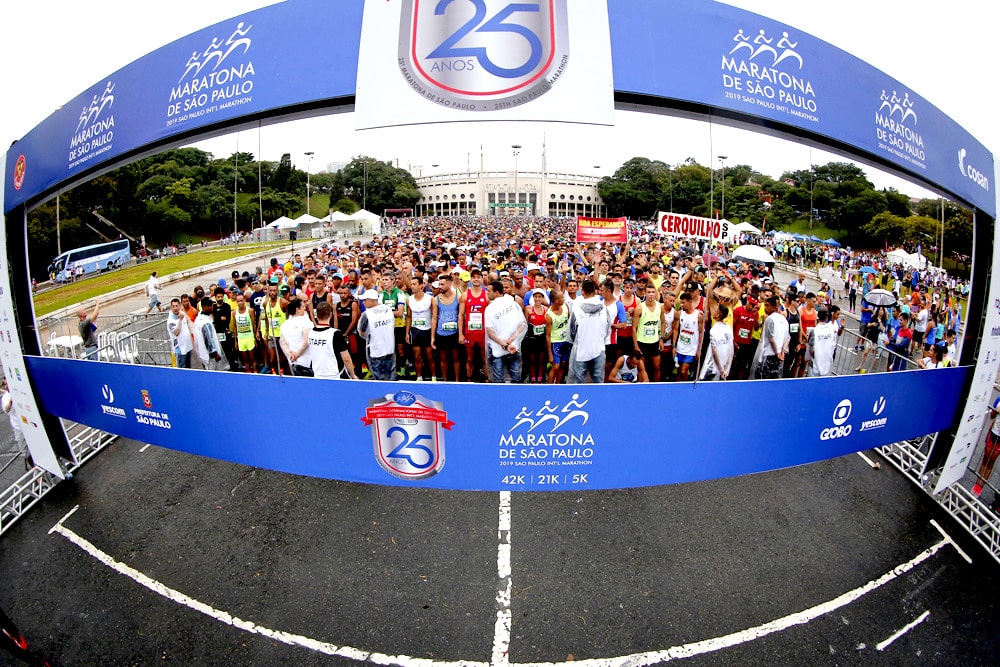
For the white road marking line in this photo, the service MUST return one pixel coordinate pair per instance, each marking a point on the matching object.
(873, 464)
(502, 629)
(325, 648)
(948, 539)
(500, 656)
(147, 446)
(902, 631)
(743, 636)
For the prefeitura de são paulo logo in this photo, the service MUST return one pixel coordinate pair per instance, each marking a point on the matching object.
(408, 434)
(483, 55)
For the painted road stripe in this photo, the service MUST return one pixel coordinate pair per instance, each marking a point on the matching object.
(750, 634)
(902, 631)
(500, 656)
(501, 644)
(248, 626)
(950, 541)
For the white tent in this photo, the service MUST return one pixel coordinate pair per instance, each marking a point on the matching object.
(336, 216)
(368, 222)
(306, 219)
(281, 223)
(745, 228)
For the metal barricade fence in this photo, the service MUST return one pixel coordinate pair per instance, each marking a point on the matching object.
(857, 355)
(130, 339)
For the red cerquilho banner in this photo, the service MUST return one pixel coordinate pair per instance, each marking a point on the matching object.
(692, 226)
(601, 230)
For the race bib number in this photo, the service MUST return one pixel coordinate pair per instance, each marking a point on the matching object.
(420, 322)
(222, 337)
(539, 329)
(743, 332)
(793, 328)
(685, 337)
(449, 326)
(475, 321)
(650, 330)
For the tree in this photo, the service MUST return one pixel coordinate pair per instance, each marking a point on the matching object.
(897, 203)
(378, 185)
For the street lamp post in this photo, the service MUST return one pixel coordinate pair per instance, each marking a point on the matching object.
(309, 155)
(722, 159)
(517, 151)
(364, 191)
(812, 180)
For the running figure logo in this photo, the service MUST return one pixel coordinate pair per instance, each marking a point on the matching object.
(408, 434)
(92, 113)
(761, 44)
(903, 106)
(217, 51)
(553, 415)
(483, 55)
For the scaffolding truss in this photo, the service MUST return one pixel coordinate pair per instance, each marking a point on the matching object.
(983, 524)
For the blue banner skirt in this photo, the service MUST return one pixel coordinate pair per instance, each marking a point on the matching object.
(500, 437)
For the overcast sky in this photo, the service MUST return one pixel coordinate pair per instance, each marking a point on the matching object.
(55, 49)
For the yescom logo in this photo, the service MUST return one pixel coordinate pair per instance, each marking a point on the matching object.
(108, 394)
(879, 407)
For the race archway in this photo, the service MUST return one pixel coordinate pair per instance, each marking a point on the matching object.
(739, 68)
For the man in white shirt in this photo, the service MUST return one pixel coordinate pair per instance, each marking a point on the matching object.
(721, 345)
(773, 342)
(590, 326)
(179, 331)
(377, 327)
(328, 348)
(822, 344)
(293, 340)
(505, 329)
(153, 292)
(206, 340)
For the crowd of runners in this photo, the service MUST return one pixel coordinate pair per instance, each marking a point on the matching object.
(519, 300)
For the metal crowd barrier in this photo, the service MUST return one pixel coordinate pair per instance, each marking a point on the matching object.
(127, 339)
(850, 357)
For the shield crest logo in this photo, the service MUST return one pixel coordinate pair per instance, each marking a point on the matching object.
(408, 434)
(146, 400)
(483, 55)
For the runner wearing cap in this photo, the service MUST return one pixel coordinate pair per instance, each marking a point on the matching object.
(376, 327)
(473, 333)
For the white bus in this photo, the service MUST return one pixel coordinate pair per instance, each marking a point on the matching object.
(89, 259)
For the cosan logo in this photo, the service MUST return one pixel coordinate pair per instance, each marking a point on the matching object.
(971, 172)
(840, 428)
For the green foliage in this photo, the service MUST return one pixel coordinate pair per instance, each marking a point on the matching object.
(376, 185)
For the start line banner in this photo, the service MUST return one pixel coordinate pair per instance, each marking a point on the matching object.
(691, 226)
(506, 437)
(601, 230)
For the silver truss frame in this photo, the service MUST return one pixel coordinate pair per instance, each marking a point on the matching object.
(966, 509)
(31, 487)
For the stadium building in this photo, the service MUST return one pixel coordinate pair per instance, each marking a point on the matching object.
(504, 193)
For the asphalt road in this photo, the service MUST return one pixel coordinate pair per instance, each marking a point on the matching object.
(399, 576)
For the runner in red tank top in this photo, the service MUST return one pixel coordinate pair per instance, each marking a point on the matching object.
(472, 335)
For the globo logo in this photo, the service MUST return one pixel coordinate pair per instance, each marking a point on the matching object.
(840, 428)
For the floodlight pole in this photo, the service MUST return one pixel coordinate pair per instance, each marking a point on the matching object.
(722, 159)
(517, 151)
(309, 155)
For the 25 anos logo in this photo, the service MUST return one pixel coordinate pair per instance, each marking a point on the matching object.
(483, 55)
(840, 428)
